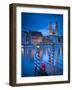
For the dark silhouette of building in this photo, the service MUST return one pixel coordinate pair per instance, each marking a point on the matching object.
(24, 37)
(35, 37)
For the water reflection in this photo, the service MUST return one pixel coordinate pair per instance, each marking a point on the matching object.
(42, 61)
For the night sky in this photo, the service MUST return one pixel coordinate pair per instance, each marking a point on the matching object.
(41, 22)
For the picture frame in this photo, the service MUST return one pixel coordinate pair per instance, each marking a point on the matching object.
(39, 44)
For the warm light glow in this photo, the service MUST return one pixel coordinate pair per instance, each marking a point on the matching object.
(40, 54)
(36, 40)
(38, 46)
(32, 53)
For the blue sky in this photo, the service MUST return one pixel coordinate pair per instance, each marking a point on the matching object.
(41, 22)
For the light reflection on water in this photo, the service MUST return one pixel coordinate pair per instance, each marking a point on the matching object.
(45, 51)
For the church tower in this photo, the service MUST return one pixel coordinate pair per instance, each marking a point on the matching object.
(50, 29)
(56, 28)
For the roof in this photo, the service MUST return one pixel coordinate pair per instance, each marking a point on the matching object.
(35, 33)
